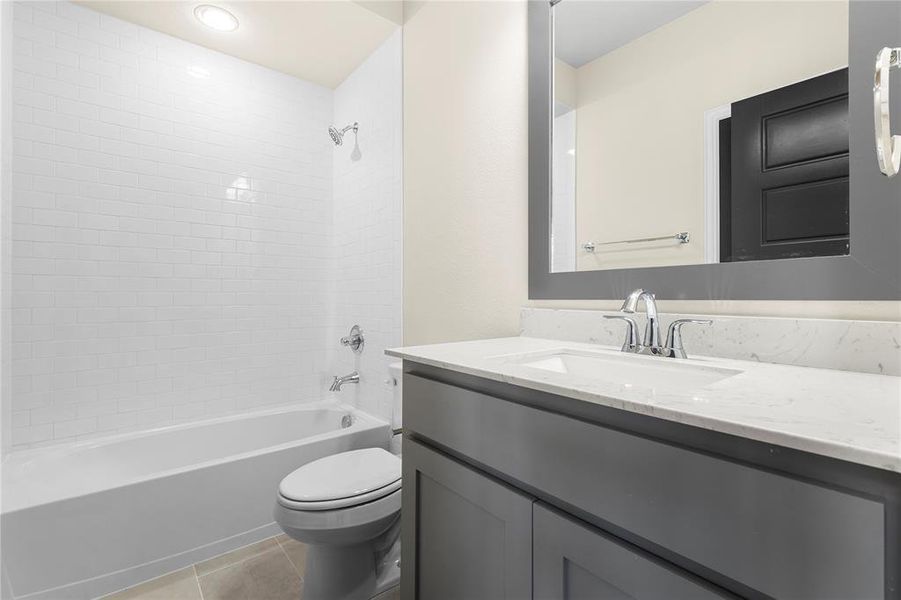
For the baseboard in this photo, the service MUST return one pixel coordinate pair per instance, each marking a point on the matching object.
(118, 580)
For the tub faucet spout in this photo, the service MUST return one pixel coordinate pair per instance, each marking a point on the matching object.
(339, 381)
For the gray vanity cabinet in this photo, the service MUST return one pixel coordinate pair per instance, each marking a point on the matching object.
(574, 561)
(506, 488)
(474, 532)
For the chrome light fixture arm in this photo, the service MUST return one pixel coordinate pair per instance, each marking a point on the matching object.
(888, 146)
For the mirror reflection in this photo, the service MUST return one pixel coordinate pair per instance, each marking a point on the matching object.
(698, 132)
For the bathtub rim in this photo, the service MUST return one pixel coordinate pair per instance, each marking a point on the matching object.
(362, 421)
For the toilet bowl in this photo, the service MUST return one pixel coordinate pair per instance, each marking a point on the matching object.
(346, 508)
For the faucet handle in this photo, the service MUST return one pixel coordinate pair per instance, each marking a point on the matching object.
(630, 344)
(674, 336)
(354, 339)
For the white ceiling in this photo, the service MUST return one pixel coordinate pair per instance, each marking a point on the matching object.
(587, 29)
(322, 42)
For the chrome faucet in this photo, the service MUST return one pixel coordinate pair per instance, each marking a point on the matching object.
(337, 382)
(672, 348)
(651, 339)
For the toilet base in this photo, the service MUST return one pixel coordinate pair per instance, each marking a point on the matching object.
(389, 570)
(350, 572)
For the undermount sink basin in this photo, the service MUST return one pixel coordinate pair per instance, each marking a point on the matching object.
(628, 370)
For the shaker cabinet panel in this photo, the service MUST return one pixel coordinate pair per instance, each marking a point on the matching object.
(466, 536)
(573, 561)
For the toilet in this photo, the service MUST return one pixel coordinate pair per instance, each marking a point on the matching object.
(346, 508)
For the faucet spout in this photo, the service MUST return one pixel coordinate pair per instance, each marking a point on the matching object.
(652, 330)
(337, 382)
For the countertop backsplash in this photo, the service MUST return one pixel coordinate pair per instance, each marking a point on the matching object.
(861, 346)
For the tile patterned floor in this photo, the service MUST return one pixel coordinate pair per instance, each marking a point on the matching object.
(269, 570)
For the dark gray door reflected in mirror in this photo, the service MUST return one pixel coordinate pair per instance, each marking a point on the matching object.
(785, 170)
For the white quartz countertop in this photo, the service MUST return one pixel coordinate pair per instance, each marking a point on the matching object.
(854, 417)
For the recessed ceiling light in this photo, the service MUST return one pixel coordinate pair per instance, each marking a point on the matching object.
(216, 18)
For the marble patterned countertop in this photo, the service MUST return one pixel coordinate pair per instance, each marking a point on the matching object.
(854, 417)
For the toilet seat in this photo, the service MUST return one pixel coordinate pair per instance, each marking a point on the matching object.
(341, 480)
(348, 502)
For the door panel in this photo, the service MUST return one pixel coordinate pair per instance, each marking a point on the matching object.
(811, 132)
(789, 172)
(582, 584)
(573, 561)
(808, 211)
(466, 536)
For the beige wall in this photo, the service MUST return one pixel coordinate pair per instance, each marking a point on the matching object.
(565, 89)
(465, 172)
(640, 137)
(465, 204)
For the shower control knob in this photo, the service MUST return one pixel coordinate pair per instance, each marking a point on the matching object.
(354, 339)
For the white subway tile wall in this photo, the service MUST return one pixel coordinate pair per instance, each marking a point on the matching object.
(368, 190)
(172, 219)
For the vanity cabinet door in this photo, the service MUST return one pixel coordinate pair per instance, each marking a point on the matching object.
(573, 561)
(465, 535)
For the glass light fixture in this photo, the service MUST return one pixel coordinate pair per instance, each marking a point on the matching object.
(216, 18)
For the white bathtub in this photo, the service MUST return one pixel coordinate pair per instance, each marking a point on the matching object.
(84, 519)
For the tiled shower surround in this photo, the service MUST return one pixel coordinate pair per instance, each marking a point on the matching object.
(173, 255)
(368, 223)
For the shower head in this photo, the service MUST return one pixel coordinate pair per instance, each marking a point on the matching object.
(337, 135)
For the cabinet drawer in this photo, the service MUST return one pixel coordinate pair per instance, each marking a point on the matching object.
(573, 561)
(783, 537)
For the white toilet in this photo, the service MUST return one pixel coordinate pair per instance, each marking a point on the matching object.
(346, 508)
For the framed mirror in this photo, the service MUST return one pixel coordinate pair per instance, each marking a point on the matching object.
(710, 150)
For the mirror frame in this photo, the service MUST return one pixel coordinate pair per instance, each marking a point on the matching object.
(872, 270)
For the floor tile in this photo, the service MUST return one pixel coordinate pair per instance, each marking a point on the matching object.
(296, 551)
(265, 576)
(235, 556)
(180, 585)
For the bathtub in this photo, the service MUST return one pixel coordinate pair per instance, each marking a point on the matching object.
(84, 519)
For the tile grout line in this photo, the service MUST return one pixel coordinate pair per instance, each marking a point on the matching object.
(237, 562)
(197, 580)
(133, 587)
(285, 552)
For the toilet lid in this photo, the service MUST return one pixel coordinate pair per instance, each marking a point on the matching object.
(343, 475)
